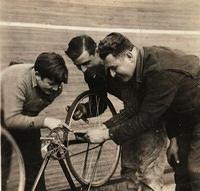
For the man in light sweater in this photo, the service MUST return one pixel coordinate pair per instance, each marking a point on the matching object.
(25, 91)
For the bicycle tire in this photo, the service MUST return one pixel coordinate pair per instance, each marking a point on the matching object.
(12, 163)
(107, 145)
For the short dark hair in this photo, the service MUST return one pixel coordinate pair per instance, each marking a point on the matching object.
(51, 65)
(78, 43)
(114, 43)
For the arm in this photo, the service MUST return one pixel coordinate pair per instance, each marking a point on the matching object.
(161, 88)
(14, 97)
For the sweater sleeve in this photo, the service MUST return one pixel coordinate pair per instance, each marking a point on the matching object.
(14, 97)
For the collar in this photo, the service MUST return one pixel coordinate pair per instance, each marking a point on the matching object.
(33, 78)
(139, 66)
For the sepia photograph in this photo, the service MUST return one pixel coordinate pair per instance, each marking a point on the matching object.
(100, 95)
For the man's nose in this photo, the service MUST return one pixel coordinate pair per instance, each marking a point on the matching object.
(112, 73)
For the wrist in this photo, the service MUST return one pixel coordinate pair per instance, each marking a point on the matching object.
(51, 122)
(46, 120)
(106, 135)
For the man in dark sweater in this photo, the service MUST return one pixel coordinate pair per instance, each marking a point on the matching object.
(142, 158)
(165, 85)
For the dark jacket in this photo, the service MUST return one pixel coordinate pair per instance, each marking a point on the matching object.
(165, 86)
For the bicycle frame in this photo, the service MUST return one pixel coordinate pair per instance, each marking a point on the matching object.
(58, 149)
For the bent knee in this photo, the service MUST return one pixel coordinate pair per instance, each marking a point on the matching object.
(194, 168)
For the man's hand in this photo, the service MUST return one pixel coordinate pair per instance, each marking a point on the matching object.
(172, 151)
(97, 134)
(52, 123)
(80, 112)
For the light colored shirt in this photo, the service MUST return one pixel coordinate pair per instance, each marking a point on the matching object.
(21, 98)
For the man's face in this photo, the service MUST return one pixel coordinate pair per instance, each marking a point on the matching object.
(47, 85)
(122, 66)
(86, 61)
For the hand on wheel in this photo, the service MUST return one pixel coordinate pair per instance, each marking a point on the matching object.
(95, 134)
(52, 123)
(80, 112)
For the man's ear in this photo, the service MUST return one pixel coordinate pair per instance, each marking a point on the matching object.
(133, 53)
(129, 54)
(37, 75)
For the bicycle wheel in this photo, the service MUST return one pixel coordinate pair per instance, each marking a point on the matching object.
(12, 164)
(91, 164)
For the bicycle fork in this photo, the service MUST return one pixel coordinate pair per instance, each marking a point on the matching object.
(41, 171)
(64, 168)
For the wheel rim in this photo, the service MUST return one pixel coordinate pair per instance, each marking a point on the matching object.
(84, 165)
(12, 164)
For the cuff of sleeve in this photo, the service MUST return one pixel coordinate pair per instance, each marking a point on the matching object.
(114, 136)
(39, 122)
(109, 124)
(112, 132)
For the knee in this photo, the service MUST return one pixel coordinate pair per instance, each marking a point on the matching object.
(194, 158)
(193, 168)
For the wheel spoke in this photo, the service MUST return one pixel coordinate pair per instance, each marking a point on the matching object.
(81, 152)
(85, 161)
(95, 167)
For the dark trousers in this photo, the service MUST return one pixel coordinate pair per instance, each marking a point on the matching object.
(187, 172)
(29, 144)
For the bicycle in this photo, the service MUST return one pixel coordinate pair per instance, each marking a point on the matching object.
(91, 165)
(91, 174)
